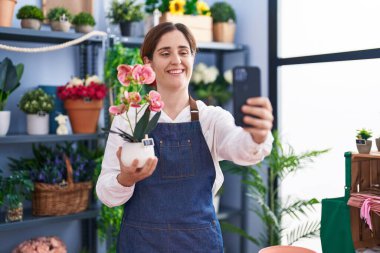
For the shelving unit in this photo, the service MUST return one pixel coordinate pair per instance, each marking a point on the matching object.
(87, 58)
(220, 51)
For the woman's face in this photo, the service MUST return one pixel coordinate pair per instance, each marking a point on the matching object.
(172, 61)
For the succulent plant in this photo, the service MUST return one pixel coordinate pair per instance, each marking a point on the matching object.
(222, 12)
(363, 134)
(36, 101)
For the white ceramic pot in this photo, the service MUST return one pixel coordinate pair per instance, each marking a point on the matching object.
(5, 119)
(59, 26)
(136, 150)
(84, 28)
(37, 124)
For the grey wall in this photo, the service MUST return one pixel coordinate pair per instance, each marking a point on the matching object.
(57, 67)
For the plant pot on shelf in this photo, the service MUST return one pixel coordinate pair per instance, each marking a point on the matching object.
(136, 150)
(224, 32)
(364, 146)
(60, 26)
(83, 114)
(5, 119)
(13, 214)
(31, 23)
(377, 140)
(6, 12)
(125, 28)
(83, 28)
(200, 25)
(37, 124)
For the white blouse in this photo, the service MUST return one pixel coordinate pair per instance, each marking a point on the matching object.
(225, 140)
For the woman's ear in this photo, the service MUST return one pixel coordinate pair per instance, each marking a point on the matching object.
(146, 60)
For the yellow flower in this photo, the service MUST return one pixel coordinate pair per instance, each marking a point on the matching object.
(203, 8)
(177, 7)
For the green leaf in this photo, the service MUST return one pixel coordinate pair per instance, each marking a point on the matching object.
(141, 125)
(307, 229)
(234, 229)
(152, 123)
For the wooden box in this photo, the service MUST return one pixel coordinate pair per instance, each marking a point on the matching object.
(200, 25)
(74, 6)
(365, 177)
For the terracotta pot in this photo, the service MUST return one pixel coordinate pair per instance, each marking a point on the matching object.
(84, 28)
(31, 23)
(6, 12)
(136, 150)
(59, 26)
(286, 249)
(83, 114)
(364, 148)
(224, 32)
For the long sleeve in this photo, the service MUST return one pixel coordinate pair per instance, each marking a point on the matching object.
(108, 189)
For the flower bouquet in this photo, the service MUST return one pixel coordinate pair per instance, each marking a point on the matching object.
(83, 100)
(137, 145)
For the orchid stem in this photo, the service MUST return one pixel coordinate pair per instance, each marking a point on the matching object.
(129, 122)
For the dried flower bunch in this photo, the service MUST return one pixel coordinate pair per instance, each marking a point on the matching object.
(90, 88)
(134, 78)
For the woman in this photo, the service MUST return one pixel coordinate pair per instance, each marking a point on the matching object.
(168, 202)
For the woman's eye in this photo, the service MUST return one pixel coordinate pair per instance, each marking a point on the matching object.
(164, 53)
(184, 53)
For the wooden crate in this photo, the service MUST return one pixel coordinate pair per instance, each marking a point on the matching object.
(365, 176)
(74, 6)
(200, 26)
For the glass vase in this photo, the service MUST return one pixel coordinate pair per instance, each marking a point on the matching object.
(14, 214)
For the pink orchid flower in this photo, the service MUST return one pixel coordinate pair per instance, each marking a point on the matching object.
(124, 74)
(134, 98)
(155, 102)
(143, 74)
(117, 109)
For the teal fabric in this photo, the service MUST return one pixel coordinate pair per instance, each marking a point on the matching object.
(336, 227)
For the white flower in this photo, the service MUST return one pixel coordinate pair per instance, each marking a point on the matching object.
(196, 78)
(75, 81)
(94, 79)
(228, 76)
(201, 67)
(210, 75)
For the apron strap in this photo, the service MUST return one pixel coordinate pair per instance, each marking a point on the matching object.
(193, 109)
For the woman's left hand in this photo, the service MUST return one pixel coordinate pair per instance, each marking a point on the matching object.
(259, 116)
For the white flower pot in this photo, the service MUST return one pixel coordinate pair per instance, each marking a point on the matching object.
(37, 124)
(5, 119)
(136, 150)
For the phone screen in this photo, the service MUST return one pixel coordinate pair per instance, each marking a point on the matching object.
(246, 84)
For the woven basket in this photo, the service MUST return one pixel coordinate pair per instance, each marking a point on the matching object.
(54, 199)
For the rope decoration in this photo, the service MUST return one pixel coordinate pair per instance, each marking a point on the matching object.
(54, 47)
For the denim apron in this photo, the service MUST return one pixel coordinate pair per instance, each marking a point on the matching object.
(171, 211)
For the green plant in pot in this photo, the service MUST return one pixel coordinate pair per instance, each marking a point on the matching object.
(84, 22)
(266, 203)
(362, 140)
(14, 190)
(37, 104)
(60, 19)
(31, 17)
(224, 22)
(125, 13)
(10, 76)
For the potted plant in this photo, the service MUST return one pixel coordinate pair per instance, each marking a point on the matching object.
(60, 19)
(37, 105)
(10, 76)
(84, 22)
(124, 13)
(31, 17)
(362, 143)
(209, 85)
(14, 190)
(224, 18)
(83, 100)
(195, 14)
(134, 103)
(6, 12)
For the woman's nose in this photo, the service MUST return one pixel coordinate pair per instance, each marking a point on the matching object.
(175, 59)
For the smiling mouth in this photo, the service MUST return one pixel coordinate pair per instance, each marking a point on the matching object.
(176, 71)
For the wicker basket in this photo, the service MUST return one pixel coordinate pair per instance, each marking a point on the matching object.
(54, 199)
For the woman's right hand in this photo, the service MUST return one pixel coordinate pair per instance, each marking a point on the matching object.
(129, 175)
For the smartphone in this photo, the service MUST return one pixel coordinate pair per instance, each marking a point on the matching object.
(246, 84)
